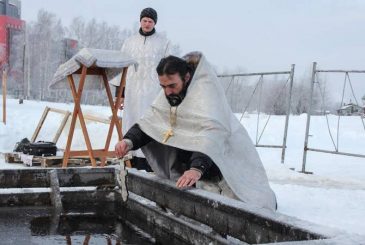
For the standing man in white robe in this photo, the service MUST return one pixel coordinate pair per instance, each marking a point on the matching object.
(147, 47)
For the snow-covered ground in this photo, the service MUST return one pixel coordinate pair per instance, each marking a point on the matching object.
(333, 196)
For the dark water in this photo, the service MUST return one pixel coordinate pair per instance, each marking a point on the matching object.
(39, 226)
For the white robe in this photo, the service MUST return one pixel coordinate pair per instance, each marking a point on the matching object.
(205, 123)
(142, 85)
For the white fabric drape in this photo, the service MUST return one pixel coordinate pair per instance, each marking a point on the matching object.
(206, 124)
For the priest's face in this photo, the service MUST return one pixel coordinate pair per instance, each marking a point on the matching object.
(174, 87)
(147, 24)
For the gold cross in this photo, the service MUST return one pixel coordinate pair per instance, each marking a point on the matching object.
(167, 135)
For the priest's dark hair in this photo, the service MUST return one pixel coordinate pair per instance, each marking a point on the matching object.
(172, 65)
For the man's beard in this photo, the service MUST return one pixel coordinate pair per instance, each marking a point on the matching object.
(176, 99)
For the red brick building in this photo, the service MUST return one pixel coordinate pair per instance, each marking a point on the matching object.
(10, 25)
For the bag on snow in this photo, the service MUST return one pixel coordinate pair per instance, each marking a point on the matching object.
(39, 148)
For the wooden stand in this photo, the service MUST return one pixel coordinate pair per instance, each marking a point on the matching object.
(66, 114)
(77, 113)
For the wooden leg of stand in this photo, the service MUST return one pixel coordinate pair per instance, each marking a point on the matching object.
(78, 95)
(78, 112)
(114, 107)
(68, 240)
(87, 239)
(66, 154)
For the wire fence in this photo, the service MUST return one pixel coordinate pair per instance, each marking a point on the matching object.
(353, 109)
(256, 93)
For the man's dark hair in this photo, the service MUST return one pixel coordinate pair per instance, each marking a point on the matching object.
(172, 65)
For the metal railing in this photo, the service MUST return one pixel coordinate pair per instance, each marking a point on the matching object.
(258, 90)
(315, 80)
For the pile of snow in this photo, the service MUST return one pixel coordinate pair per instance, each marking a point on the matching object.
(333, 196)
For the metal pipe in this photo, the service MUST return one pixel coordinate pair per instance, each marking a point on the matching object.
(288, 113)
(255, 74)
(309, 117)
(269, 146)
(342, 71)
(336, 152)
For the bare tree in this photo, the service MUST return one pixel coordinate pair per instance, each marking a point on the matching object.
(93, 34)
(43, 41)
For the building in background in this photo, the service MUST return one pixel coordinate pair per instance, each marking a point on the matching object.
(11, 28)
(12, 44)
(351, 109)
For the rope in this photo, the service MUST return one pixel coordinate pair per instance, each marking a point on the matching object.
(229, 84)
(250, 99)
(259, 109)
(353, 94)
(339, 117)
(347, 78)
(328, 124)
(275, 103)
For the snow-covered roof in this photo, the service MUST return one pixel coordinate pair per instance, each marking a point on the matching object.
(113, 61)
(349, 106)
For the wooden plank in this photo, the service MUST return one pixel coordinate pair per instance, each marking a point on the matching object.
(114, 107)
(153, 220)
(73, 124)
(16, 157)
(47, 162)
(224, 215)
(61, 127)
(91, 71)
(50, 161)
(12, 157)
(68, 177)
(55, 191)
(96, 153)
(43, 118)
(40, 124)
(25, 199)
(81, 161)
(64, 112)
(78, 112)
(81, 116)
(96, 119)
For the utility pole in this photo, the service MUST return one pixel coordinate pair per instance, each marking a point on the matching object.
(5, 76)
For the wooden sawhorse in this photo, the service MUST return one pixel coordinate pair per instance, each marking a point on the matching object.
(77, 113)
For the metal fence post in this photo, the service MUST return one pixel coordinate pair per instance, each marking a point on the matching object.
(288, 113)
(309, 112)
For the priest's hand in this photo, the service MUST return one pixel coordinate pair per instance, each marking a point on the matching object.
(189, 178)
(121, 148)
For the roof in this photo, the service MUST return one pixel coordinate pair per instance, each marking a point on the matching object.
(349, 106)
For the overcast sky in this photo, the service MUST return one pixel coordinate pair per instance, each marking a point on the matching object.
(257, 35)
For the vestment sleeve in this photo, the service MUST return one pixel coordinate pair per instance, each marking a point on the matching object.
(200, 162)
(137, 136)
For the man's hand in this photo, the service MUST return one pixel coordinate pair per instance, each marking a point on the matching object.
(189, 178)
(121, 148)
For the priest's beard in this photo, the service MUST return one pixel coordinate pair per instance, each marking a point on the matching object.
(176, 99)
